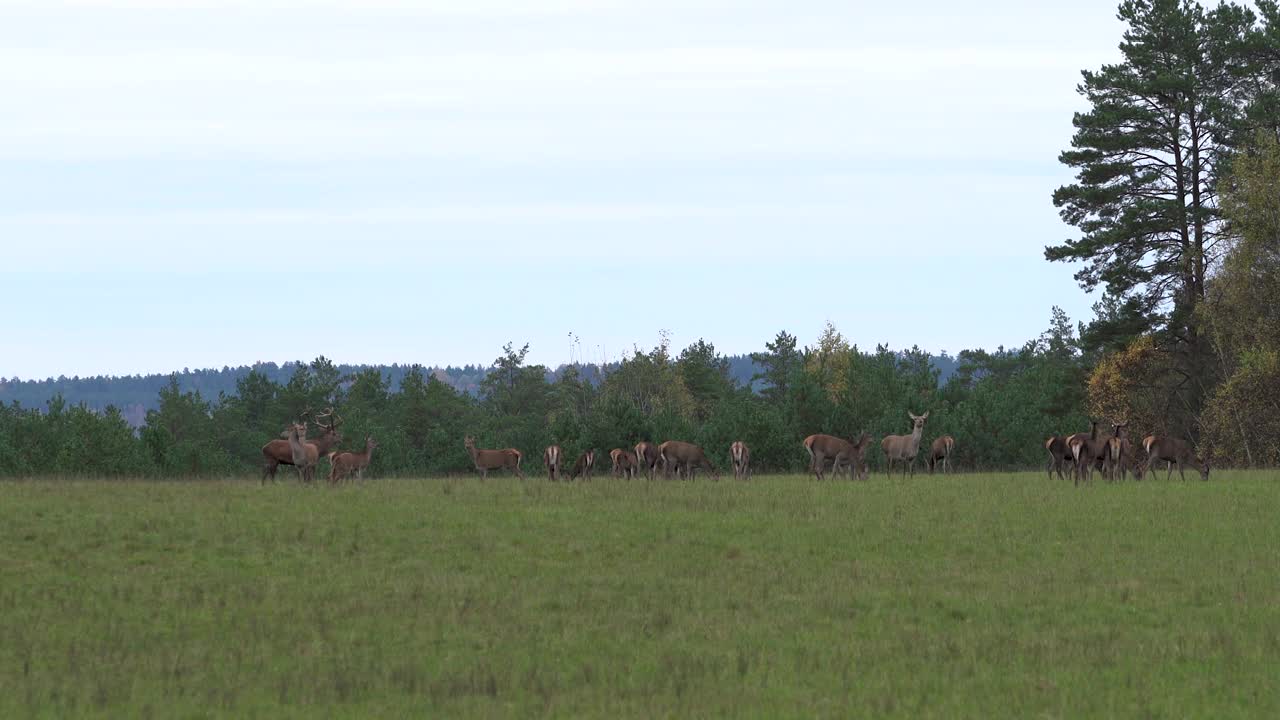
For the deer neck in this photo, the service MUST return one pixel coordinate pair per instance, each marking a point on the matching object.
(916, 433)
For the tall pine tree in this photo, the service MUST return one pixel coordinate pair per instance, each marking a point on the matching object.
(1148, 155)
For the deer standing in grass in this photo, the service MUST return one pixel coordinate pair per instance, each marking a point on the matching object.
(341, 465)
(486, 460)
(840, 451)
(905, 447)
(551, 461)
(624, 463)
(940, 450)
(679, 455)
(303, 454)
(647, 458)
(582, 468)
(1090, 453)
(740, 457)
(1173, 451)
(1059, 454)
(1120, 454)
(278, 452)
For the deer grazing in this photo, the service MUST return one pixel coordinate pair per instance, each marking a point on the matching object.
(647, 458)
(277, 452)
(304, 455)
(582, 468)
(551, 461)
(341, 465)
(1059, 454)
(1173, 451)
(840, 451)
(624, 463)
(1091, 452)
(685, 456)
(740, 457)
(905, 447)
(486, 460)
(940, 450)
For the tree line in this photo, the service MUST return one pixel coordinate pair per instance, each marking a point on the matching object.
(995, 404)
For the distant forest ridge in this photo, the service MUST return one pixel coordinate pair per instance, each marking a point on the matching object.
(134, 395)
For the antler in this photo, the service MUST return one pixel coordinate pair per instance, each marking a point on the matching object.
(334, 418)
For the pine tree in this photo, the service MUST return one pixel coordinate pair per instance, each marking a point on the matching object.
(1148, 155)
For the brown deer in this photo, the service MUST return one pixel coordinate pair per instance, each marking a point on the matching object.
(1173, 451)
(940, 449)
(303, 454)
(740, 458)
(1071, 441)
(647, 458)
(685, 456)
(1059, 454)
(1090, 453)
(277, 452)
(586, 463)
(551, 461)
(624, 463)
(341, 465)
(486, 460)
(905, 447)
(840, 451)
(1120, 454)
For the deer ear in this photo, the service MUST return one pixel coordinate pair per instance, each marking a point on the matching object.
(925, 416)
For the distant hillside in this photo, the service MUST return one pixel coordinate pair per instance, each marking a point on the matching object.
(134, 395)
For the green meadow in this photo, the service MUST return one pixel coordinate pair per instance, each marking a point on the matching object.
(1004, 595)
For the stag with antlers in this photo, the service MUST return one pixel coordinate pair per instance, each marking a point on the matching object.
(279, 452)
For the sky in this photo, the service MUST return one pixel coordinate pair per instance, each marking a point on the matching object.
(200, 184)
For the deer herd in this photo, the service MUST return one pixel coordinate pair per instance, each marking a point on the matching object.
(304, 454)
(1082, 454)
(1114, 455)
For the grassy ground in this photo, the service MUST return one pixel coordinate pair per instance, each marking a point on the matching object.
(970, 596)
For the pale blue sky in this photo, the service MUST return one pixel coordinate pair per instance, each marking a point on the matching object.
(199, 184)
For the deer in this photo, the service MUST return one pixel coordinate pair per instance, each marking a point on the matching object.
(486, 460)
(839, 451)
(343, 464)
(277, 452)
(1173, 451)
(1120, 454)
(647, 458)
(740, 458)
(303, 454)
(905, 447)
(551, 461)
(1071, 441)
(624, 463)
(676, 454)
(582, 468)
(1090, 452)
(941, 449)
(1059, 453)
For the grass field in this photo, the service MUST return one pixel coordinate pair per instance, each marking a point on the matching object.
(970, 596)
